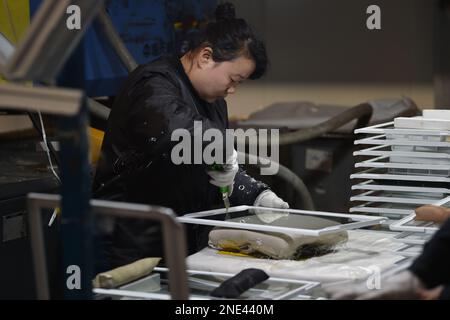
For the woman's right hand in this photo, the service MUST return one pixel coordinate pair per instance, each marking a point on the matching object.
(225, 176)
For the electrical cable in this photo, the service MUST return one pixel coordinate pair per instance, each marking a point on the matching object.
(47, 151)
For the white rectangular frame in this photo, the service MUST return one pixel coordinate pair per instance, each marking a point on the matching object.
(382, 140)
(304, 287)
(378, 162)
(373, 174)
(372, 207)
(401, 225)
(384, 197)
(361, 220)
(376, 152)
(388, 128)
(373, 185)
(403, 237)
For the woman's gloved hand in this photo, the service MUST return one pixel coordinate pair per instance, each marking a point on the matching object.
(225, 176)
(269, 199)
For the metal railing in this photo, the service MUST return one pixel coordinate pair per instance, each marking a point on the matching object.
(173, 236)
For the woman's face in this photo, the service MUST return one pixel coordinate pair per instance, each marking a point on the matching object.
(215, 80)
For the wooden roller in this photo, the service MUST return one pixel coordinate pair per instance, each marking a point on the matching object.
(130, 272)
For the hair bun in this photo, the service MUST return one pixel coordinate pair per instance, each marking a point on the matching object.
(225, 11)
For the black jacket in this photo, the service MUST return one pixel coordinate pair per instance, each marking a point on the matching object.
(433, 265)
(135, 163)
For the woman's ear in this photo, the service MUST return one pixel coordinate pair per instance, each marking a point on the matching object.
(205, 57)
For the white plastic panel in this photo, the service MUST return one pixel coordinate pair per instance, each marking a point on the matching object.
(422, 123)
(444, 202)
(430, 142)
(413, 238)
(384, 162)
(386, 174)
(388, 128)
(392, 197)
(388, 209)
(409, 223)
(436, 114)
(372, 185)
(385, 150)
(407, 167)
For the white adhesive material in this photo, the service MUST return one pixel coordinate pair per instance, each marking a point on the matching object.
(356, 260)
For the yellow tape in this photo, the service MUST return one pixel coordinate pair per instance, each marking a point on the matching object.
(14, 20)
(237, 254)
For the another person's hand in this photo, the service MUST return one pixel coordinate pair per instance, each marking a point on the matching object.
(404, 285)
(432, 213)
(225, 177)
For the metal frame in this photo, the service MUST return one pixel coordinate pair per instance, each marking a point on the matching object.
(362, 220)
(377, 208)
(388, 128)
(422, 123)
(386, 196)
(64, 102)
(378, 140)
(173, 233)
(401, 225)
(384, 162)
(372, 185)
(404, 237)
(445, 201)
(406, 251)
(138, 295)
(376, 151)
(373, 173)
(426, 227)
(395, 157)
(305, 286)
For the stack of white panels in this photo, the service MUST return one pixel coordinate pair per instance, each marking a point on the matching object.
(406, 164)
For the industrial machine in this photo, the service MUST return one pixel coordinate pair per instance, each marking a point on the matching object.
(371, 249)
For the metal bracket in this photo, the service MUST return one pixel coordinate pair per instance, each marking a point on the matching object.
(173, 233)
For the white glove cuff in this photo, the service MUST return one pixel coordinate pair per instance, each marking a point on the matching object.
(259, 198)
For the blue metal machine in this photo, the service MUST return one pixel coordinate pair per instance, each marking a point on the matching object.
(148, 28)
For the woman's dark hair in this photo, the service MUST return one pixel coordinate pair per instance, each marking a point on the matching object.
(231, 38)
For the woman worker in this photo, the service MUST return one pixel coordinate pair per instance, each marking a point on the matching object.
(158, 98)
